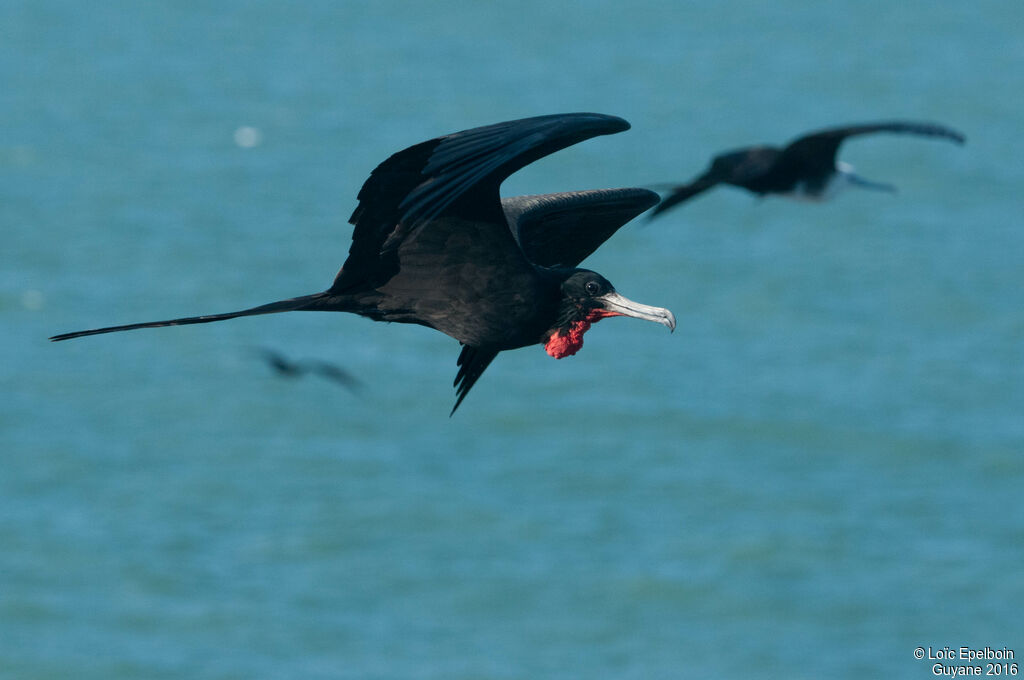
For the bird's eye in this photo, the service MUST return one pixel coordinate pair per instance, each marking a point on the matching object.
(592, 287)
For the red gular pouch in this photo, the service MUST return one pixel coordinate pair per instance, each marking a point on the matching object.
(566, 342)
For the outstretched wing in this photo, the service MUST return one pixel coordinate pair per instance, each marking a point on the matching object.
(454, 176)
(333, 372)
(818, 149)
(741, 167)
(562, 230)
(684, 192)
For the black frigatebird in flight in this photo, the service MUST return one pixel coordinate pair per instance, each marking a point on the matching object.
(805, 169)
(295, 368)
(434, 244)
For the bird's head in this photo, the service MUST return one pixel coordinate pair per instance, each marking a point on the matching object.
(588, 297)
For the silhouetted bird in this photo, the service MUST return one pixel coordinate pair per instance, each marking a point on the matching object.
(806, 169)
(300, 367)
(432, 246)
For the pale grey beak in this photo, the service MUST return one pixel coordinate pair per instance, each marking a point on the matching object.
(617, 304)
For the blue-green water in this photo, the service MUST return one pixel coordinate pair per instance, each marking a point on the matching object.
(817, 473)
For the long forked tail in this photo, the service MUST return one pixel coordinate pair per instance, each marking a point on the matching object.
(316, 301)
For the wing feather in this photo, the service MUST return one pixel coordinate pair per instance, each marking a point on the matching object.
(562, 230)
(458, 174)
(820, 147)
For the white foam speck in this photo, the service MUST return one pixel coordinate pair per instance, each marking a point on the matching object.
(247, 136)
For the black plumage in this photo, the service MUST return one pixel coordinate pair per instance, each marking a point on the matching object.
(432, 245)
(296, 368)
(807, 168)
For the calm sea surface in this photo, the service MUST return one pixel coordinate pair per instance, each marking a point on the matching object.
(818, 472)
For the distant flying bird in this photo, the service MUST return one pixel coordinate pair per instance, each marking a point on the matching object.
(806, 169)
(299, 367)
(432, 245)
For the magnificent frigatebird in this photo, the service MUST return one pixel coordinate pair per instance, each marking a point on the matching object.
(805, 169)
(295, 368)
(433, 244)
